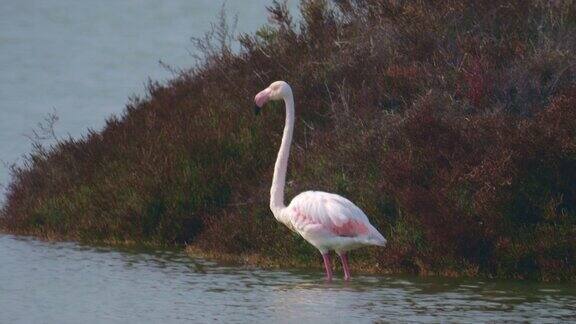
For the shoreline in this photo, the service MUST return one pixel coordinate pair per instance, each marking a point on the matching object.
(254, 260)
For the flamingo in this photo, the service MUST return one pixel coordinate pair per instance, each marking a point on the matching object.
(327, 221)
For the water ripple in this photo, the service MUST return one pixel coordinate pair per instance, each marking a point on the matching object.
(68, 282)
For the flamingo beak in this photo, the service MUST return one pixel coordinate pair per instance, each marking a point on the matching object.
(261, 99)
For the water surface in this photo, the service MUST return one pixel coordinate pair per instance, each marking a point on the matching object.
(44, 282)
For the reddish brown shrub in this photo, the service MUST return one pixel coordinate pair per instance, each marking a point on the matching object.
(452, 124)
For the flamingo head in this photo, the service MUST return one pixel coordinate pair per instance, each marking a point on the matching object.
(276, 91)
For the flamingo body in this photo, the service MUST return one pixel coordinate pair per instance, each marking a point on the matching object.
(327, 221)
(331, 222)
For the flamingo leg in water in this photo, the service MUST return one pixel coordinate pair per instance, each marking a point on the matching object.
(345, 266)
(327, 265)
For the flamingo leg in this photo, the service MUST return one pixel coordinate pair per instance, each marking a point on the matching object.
(345, 266)
(327, 265)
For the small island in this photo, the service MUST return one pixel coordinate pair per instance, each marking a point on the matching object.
(451, 124)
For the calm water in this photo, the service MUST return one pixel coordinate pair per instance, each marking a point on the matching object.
(68, 283)
(85, 58)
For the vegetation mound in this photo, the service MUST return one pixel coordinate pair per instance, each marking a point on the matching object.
(451, 124)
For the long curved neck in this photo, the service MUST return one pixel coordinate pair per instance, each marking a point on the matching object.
(281, 166)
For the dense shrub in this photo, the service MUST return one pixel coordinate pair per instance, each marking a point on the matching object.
(452, 124)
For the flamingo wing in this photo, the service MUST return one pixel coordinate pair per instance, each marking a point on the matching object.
(326, 215)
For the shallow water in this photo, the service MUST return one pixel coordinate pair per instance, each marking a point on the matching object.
(44, 282)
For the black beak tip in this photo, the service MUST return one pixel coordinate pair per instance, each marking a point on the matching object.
(256, 110)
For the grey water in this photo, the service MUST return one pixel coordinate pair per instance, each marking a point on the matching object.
(84, 59)
(43, 282)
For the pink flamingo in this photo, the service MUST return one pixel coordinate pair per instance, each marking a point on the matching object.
(327, 221)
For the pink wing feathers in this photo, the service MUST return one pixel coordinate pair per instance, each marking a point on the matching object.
(332, 214)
